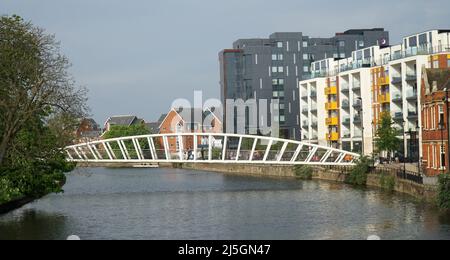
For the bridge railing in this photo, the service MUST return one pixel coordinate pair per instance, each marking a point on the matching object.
(208, 148)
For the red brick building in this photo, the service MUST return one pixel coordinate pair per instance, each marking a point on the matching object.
(185, 121)
(435, 128)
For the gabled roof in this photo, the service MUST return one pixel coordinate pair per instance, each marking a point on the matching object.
(188, 115)
(122, 120)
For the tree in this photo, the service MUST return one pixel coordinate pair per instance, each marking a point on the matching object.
(34, 81)
(39, 105)
(387, 135)
(124, 131)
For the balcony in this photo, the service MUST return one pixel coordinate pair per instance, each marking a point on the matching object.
(331, 91)
(345, 104)
(305, 110)
(396, 80)
(397, 98)
(313, 94)
(356, 86)
(314, 109)
(357, 120)
(305, 124)
(384, 81)
(411, 96)
(305, 97)
(332, 121)
(345, 88)
(412, 115)
(346, 135)
(357, 104)
(314, 124)
(331, 106)
(333, 136)
(411, 76)
(398, 116)
(346, 121)
(383, 99)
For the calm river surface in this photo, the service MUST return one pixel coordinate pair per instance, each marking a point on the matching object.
(178, 204)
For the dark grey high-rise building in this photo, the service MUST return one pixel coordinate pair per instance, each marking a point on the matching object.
(271, 68)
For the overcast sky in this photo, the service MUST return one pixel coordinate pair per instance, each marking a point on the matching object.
(137, 56)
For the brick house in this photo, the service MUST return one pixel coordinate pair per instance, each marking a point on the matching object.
(435, 129)
(88, 130)
(128, 120)
(189, 121)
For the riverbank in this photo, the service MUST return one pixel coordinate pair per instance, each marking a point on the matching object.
(424, 192)
(15, 204)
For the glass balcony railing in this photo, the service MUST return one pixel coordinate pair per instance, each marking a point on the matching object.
(396, 80)
(398, 116)
(356, 86)
(345, 104)
(346, 120)
(357, 120)
(397, 98)
(411, 95)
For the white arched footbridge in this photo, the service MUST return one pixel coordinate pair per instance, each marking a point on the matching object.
(208, 148)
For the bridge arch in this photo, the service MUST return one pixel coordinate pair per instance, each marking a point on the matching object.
(208, 148)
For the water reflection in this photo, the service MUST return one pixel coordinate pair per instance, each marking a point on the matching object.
(30, 224)
(179, 204)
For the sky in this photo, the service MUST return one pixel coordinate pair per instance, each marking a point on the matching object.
(138, 56)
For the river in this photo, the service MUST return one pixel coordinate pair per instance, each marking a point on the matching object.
(100, 203)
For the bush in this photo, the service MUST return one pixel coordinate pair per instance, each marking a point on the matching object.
(303, 172)
(358, 175)
(387, 182)
(444, 191)
(7, 191)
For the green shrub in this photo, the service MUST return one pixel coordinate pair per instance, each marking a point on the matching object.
(303, 172)
(444, 191)
(358, 175)
(7, 191)
(387, 182)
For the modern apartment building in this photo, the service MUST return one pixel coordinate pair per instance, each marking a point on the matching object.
(344, 99)
(271, 69)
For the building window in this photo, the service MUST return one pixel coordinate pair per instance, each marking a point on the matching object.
(361, 43)
(280, 57)
(280, 69)
(275, 94)
(441, 117)
(448, 63)
(274, 69)
(305, 56)
(336, 55)
(342, 55)
(341, 44)
(274, 57)
(280, 81)
(281, 106)
(282, 118)
(305, 69)
(280, 44)
(305, 44)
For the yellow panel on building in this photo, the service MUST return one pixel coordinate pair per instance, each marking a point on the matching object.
(333, 136)
(331, 91)
(331, 106)
(332, 121)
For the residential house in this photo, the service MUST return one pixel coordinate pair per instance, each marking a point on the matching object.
(189, 121)
(435, 128)
(127, 120)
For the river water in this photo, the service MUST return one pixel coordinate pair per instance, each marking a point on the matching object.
(178, 204)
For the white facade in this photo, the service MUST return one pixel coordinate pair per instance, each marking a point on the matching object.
(354, 77)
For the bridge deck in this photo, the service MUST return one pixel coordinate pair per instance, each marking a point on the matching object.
(208, 148)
